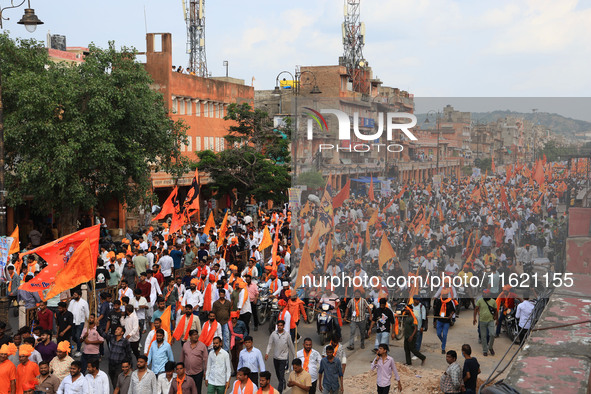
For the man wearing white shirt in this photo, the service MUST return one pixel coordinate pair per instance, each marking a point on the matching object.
(166, 379)
(98, 381)
(251, 358)
(219, 369)
(79, 309)
(155, 290)
(132, 329)
(166, 263)
(193, 297)
(523, 314)
(218, 259)
(74, 382)
(310, 362)
(150, 256)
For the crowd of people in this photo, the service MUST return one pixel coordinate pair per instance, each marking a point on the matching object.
(200, 286)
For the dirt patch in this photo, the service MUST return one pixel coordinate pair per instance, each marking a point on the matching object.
(414, 380)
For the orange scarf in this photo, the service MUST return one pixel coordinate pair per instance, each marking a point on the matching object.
(168, 294)
(207, 332)
(357, 312)
(201, 285)
(282, 314)
(271, 390)
(207, 298)
(248, 389)
(273, 286)
(306, 360)
(250, 270)
(151, 342)
(443, 310)
(180, 328)
(179, 384)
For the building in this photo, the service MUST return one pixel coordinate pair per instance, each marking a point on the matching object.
(201, 103)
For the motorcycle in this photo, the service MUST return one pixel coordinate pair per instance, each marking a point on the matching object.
(325, 323)
(263, 305)
(510, 322)
(463, 299)
(273, 314)
(311, 308)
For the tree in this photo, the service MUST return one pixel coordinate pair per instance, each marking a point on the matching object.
(312, 179)
(257, 163)
(77, 136)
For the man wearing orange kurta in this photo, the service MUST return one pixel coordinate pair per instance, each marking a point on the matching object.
(26, 370)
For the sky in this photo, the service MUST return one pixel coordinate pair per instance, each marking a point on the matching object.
(431, 48)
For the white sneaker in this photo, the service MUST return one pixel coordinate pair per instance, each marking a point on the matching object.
(78, 354)
(415, 358)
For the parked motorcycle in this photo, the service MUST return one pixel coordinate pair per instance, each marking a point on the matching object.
(263, 305)
(273, 314)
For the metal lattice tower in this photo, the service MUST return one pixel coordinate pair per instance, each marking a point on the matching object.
(353, 42)
(194, 12)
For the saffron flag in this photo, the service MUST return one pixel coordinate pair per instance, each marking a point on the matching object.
(266, 241)
(370, 191)
(328, 254)
(538, 175)
(79, 269)
(57, 253)
(386, 251)
(223, 229)
(306, 266)
(191, 204)
(15, 247)
(168, 206)
(509, 175)
(315, 239)
(209, 224)
(343, 195)
(165, 325)
(476, 194)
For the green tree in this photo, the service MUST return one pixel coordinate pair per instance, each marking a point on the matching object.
(257, 163)
(312, 179)
(77, 136)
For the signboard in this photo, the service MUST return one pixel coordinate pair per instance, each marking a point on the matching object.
(5, 244)
(295, 194)
(386, 187)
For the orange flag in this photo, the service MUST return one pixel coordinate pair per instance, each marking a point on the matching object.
(328, 254)
(79, 269)
(296, 243)
(372, 221)
(209, 224)
(386, 251)
(266, 241)
(15, 247)
(493, 167)
(315, 238)
(343, 195)
(475, 195)
(370, 191)
(538, 174)
(223, 229)
(168, 206)
(306, 266)
(165, 325)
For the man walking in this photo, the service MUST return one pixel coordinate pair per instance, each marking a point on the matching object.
(74, 382)
(359, 309)
(444, 310)
(410, 329)
(92, 341)
(183, 384)
(160, 353)
(330, 374)
(46, 382)
(385, 366)
(383, 318)
(219, 369)
(486, 309)
(451, 380)
(470, 371)
(310, 362)
(124, 378)
(132, 330)
(119, 352)
(98, 381)
(194, 357)
(280, 342)
(143, 380)
(299, 380)
(80, 312)
(251, 358)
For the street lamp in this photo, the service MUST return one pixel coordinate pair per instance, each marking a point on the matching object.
(30, 21)
(437, 122)
(296, 91)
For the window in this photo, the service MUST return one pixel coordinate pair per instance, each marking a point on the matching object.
(205, 109)
(217, 144)
(197, 108)
(181, 106)
(222, 144)
(189, 106)
(175, 103)
(198, 144)
(211, 146)
(190, 144)
(205, 143)
(211, 112)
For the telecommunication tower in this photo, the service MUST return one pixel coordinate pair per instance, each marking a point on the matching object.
(194, 13)
(353, 42)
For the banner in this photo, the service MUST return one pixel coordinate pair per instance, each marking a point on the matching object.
(295, 193)
(5, 245)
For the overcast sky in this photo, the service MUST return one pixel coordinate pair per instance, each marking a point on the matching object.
(515, 48)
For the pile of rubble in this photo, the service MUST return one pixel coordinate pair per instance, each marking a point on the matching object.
(414, 380)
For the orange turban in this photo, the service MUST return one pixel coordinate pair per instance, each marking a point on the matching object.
(282, 303)
(25, 350)
(195, 281)
(64, 346)
(8, 349)
(233, 267)
(234, 314)
(211, 277)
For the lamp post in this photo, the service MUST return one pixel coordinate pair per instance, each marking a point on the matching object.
(296, 91)
(30, 21)
(437, 122)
